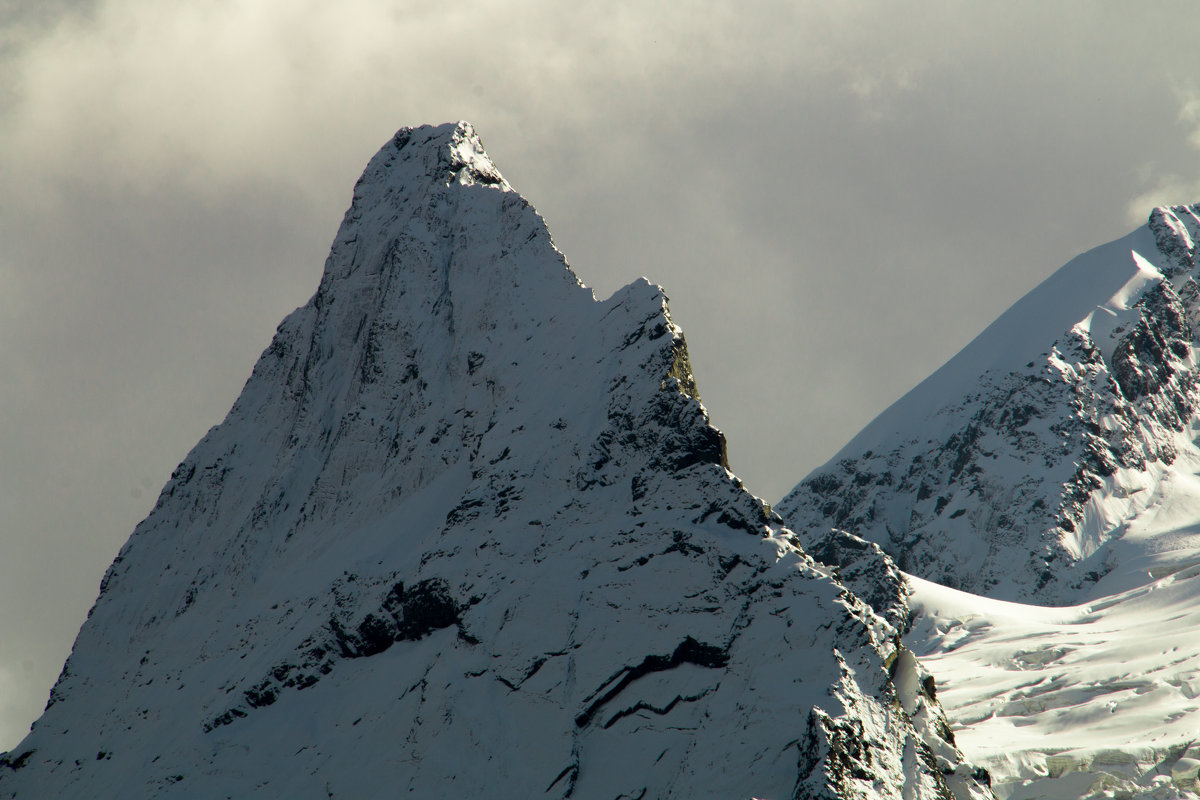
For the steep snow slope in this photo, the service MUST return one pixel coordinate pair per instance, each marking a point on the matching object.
(1015, 469)
(467, 533)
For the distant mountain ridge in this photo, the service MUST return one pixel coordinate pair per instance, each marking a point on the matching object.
(1015, 470)
(467, 532)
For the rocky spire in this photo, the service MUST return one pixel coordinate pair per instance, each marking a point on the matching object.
(467, 532)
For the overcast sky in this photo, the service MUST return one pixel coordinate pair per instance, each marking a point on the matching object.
(836, 196)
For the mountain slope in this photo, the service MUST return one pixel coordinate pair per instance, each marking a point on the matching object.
(1016, 469)
(467, 532)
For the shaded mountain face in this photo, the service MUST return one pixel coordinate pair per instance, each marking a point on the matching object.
(467, 532)
(1024, 468)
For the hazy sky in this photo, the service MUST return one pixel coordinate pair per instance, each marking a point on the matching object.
(836, 196)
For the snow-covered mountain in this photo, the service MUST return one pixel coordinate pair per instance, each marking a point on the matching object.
(1053, 462)
(1029, 466)
(467, 532)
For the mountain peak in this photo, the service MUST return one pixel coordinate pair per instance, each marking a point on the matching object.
(468, 531)
(1018, 467)
(450, 153)
(1176, 230)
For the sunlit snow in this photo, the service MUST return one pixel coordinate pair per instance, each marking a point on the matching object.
(1073, 701)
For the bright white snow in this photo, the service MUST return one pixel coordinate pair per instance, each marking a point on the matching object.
(1096, 699)
(1099, 699)
(1056, 461)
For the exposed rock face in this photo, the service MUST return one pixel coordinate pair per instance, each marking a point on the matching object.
(467, 532)
(1011, 471)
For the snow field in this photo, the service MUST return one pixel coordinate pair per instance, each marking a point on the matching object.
(1100, 699)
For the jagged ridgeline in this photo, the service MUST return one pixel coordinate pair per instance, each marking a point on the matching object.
(467, 532)
(1016, 469)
